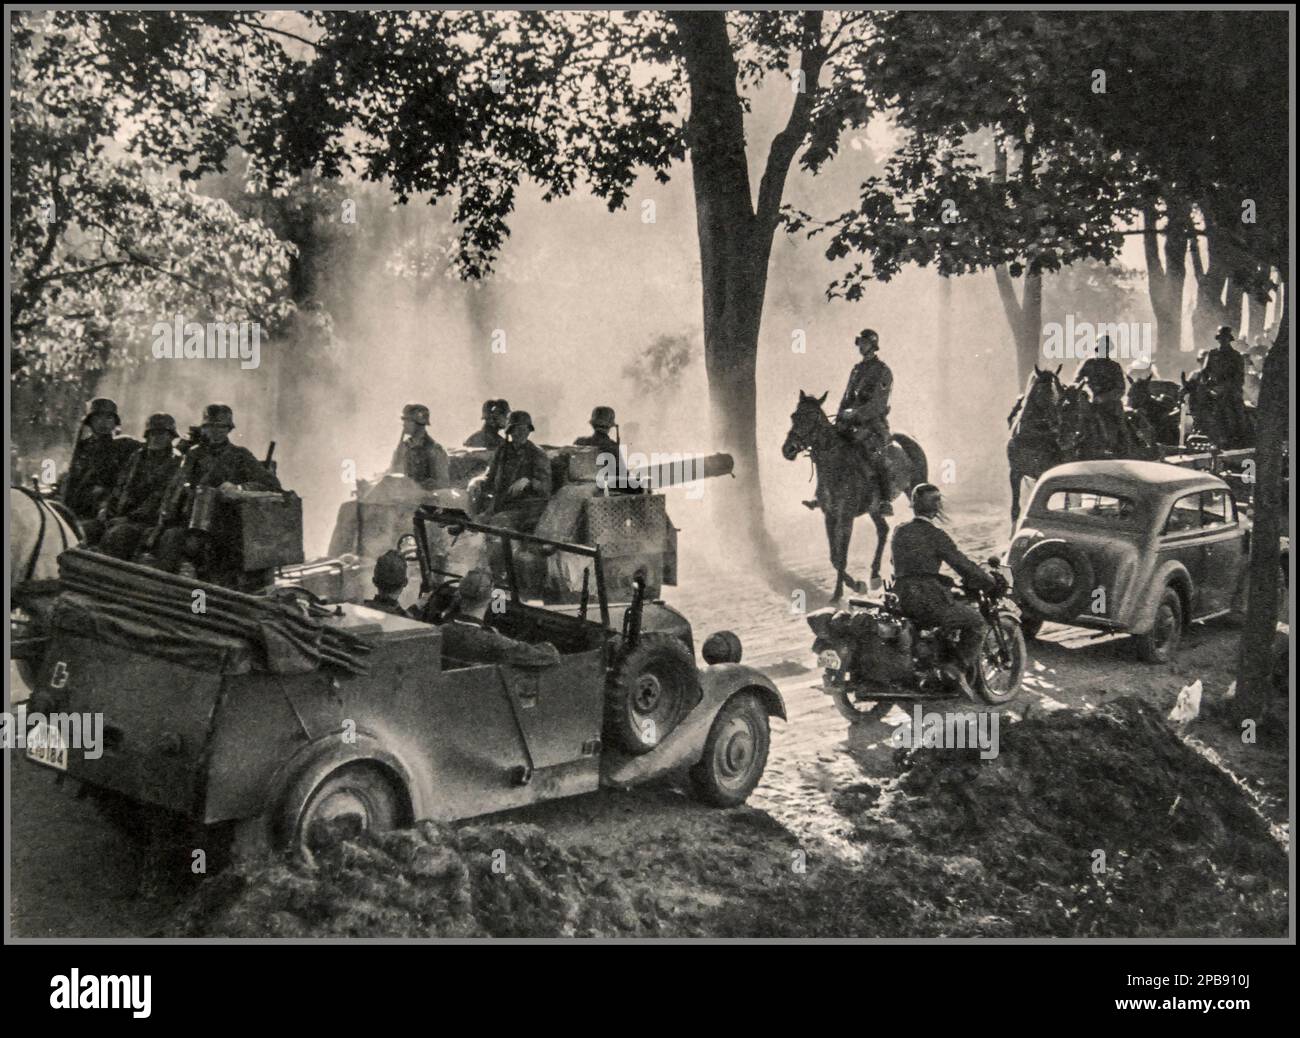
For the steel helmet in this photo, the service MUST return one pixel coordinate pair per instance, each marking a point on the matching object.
(219, 414)
(602, 418)
(417, 413)
(102, 405)
(161, 422)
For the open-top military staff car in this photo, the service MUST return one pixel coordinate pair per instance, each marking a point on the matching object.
(274, 713)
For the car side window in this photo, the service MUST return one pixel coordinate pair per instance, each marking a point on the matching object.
(1185, 515)
(1217, 508)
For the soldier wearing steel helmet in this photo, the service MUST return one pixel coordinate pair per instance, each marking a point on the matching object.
(417, 455)
(918, 550)
(602, 420)
(495, 414)
(132, 509)
(1225, 374)
(390, 580)
(98, 460)
(864, 409)
(1106, 382)
(518, 482)
(214, 463)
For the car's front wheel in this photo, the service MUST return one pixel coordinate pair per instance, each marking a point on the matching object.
(735, 753)
(1159, 644)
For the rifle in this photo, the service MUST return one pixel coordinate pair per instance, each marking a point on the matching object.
(269, 462)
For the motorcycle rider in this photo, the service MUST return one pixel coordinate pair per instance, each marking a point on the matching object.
(918, 549)
(1105, 379)
(864, 410)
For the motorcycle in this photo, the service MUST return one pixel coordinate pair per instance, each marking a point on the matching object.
(872, 655)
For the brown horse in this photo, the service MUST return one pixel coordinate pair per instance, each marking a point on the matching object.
(1035, 421)
(846, 485)
(1158, 400)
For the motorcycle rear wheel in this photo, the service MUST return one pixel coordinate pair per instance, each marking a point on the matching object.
(998, 680)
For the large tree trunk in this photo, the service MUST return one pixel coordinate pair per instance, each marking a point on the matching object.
(1165, 279)
(1025, 319)
(1255, 660)
(1213, 290)
(735, 234)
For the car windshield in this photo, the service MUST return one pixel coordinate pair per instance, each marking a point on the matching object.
(1090, 505)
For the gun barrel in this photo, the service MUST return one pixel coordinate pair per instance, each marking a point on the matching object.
(675, 469)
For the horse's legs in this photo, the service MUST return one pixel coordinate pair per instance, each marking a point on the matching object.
(1016, 480)
(837, 561)
(839, 533)
(882, 535)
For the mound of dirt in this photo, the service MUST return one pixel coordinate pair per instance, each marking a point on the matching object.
(430, 881)
(1098, 822)
(1093, 823)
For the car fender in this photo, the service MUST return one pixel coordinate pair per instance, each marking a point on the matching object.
(309, 766)
(684, 745)
(1171, 572)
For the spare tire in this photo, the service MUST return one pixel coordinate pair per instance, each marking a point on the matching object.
(655, 686)
(1054, 579)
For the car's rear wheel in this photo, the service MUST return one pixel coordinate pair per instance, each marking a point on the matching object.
(735, 753)
(656, 686)
(1159, 644)
(353, 799)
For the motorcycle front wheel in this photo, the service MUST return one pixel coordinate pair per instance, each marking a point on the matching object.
(1001, 662)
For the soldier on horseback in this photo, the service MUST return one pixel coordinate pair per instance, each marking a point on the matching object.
(864, 410)
(1225, 374)
(1105, 380)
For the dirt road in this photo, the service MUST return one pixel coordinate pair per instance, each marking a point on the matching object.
(73, 876)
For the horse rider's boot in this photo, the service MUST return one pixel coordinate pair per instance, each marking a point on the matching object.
(881, 469)
(812, 504)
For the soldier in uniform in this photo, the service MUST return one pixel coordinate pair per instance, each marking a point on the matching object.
(864, 410)
(98, 460)
(1105, 379)
(390, 581)
(418, 456)
(495, 415)
(466, 640)
(602, 420)
(216, 462)
(132, 509)
(518, 482)
(918, 549)
(1225, 373)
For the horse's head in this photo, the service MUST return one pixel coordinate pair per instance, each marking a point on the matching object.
(805, 423)
(1042, 394)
